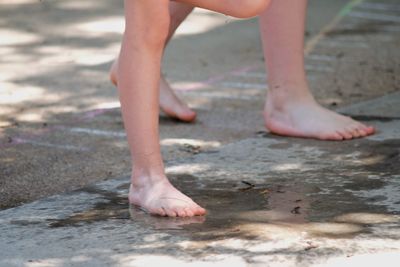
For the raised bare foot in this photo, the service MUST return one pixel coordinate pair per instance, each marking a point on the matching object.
(303, 117)
(163, 199)
(169, 101)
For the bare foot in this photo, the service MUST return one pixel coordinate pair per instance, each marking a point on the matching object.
(169, 101)
(304, 117)
(163, 199)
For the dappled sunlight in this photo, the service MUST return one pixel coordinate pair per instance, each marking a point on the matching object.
(16, 103)
(101, 26)
(77, 5)
(192, 142)
(358, 159)
(9, 37)
(55, 55)
(287, 167)
(186, 168)
(17, 2)
(45, 263)
(11, 93)
(271, 231)
(367, 218)
(387, 259)
(161, 260)
(108, 105)
(191, 26)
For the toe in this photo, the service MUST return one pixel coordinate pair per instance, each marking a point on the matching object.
(362, 132)
(161, 212)
(355, 133)
(370, 130)
(366, 128)
(335, 136)
(189, 212)
(199, 211)
(170, 213)
(186, 114)
(180, 212)
(346, 134)
(157, 212)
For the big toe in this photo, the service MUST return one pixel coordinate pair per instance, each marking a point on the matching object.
(199, 211)
(186, 114)
(370, 130)
(181, 113)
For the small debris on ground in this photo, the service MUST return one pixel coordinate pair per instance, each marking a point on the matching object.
(296, 210)
(310, 246)
(265, 192)
(191, 149)
(249, 186)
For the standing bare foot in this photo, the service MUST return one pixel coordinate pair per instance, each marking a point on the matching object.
(159, 197)
(169, 101)
(302, 116)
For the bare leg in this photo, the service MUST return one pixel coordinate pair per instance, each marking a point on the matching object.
(168, 100)
(145, 35)
(290, 108)
(147, 27)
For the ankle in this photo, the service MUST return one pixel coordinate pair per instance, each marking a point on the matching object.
(148, 179)
(281, 98)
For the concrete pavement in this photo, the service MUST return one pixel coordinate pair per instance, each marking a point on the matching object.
(272, 201)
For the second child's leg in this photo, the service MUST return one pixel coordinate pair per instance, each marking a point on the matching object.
(290, 108)
(147, 23)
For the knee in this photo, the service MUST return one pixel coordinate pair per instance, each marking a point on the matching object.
(149, 29)
(152, 37)
(249, 8)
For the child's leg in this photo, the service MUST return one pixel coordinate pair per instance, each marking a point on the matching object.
(290, 108)
(147, 23)
(168, 100)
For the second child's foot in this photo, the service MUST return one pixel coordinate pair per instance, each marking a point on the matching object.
(304, 117)
(163, 199)
(169, 101)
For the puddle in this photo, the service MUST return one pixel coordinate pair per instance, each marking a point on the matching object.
(227, 205)
(112, 207)
(252, 211)
(235, 210)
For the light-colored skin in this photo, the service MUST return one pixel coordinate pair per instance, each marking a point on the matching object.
(146, 32)
(290, 109)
